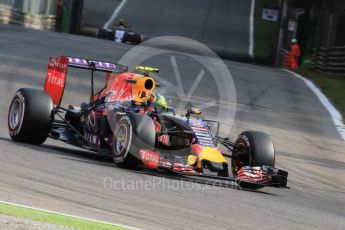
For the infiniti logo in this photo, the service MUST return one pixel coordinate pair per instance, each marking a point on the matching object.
(55, 63)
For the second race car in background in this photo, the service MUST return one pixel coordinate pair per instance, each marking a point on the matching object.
(121, 33)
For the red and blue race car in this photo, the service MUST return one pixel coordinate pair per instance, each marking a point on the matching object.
(129, 121)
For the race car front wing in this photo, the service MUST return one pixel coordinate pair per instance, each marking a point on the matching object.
(247, 177)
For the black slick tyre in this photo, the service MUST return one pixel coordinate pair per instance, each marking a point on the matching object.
(29, 116)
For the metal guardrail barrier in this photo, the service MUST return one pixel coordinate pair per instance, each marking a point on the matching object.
(32, 14)
(284, 58)
(329, 59)
(281, 57)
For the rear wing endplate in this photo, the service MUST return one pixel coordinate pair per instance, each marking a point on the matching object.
(57, 73)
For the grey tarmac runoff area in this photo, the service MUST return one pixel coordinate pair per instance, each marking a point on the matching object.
(223, 25)
(61, 178)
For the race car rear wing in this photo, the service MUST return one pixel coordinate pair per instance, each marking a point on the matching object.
(57, 73)
(94, 65)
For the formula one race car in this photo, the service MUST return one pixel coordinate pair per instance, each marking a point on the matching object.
(121, 32)
(120, 35)
(129, 121)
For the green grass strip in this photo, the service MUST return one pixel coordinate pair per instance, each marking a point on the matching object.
(265, 32)
(55, 219)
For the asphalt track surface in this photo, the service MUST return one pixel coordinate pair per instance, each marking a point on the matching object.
(96, 13)
(222, 25)
(61, 178)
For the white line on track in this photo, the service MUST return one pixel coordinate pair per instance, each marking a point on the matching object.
(67, 215)
(336, 116)
(251, 29)
(114, 15)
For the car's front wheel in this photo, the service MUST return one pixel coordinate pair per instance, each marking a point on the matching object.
(252, 148)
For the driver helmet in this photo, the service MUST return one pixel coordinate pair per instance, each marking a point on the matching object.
(122, 22)
(160, 104)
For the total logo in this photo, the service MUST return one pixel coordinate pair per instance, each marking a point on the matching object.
(149, 158)
(55, 80)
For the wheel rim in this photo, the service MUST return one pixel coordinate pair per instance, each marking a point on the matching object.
(121, 139)
(16, 114)
(241, 157)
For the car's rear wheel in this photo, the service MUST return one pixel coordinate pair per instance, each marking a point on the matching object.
(101, 33)
(132, 132)
(29, 116)
(252, 148)
(137, 39)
